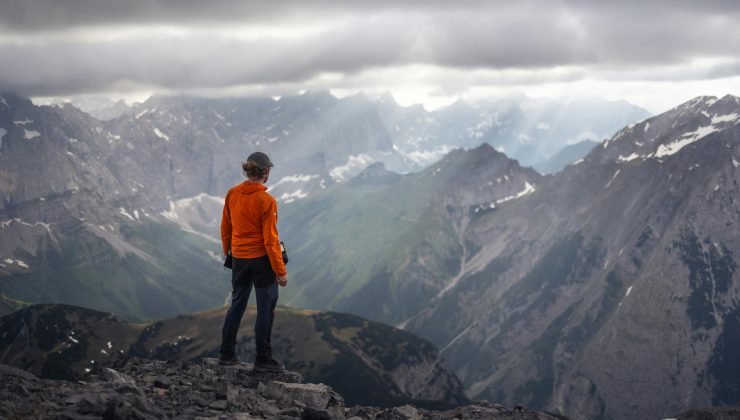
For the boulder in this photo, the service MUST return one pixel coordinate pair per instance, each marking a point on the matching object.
(313, 396)
(114, 376)
(243, 374)
(406, 412)
(6, 370)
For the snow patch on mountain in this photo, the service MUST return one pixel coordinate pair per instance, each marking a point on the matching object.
(724, 118)
(11, 261)
(424, 158)
(3, 132)
(292, 196)
(161, 135)
(197, 215)
(23, 122)
(717, 123)
(613, 178)
(127, 214)
(683, 141)
(293, 179)
(30, 134)
(528, 189)
(633, 156)
(187, 203)
(20, 221)
(355, 164)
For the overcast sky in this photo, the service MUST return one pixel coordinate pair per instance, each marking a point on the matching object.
(652, 53)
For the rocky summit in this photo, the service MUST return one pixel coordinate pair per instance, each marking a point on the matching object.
(368, 363)
(146, 389)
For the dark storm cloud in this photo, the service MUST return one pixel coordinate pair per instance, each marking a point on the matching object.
(620, 40)
(34, 15)
(59, 67)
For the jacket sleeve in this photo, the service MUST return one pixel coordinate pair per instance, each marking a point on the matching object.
(226, 226)
(272, 240)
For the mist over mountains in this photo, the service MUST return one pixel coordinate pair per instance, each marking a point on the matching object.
(87, 203)
(605, 290)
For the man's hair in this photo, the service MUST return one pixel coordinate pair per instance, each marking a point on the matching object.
(257, 165)
(253, 170)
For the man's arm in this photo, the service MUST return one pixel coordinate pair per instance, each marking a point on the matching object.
(272, 240)
(226, 226)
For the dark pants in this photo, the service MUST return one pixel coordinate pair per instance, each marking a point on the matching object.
(245, 272)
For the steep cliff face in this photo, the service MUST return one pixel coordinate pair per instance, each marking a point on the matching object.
(367, 363)
(613, 280)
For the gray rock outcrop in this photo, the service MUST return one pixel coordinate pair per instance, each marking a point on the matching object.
(148, 389)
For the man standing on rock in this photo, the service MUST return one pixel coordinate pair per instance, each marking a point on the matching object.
(249, 235)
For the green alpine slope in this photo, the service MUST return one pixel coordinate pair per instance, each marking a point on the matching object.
(147, 270)
(383, 244)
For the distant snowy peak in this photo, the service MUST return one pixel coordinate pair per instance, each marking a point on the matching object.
(669, 133)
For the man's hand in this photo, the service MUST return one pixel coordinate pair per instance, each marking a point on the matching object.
(283, 280)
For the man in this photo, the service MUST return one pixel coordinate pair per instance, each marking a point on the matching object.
(249, 233)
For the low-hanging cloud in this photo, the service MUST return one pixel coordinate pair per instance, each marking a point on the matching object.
(60, 48)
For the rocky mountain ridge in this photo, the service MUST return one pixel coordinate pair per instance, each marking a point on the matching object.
(145, 389)
(368, 363)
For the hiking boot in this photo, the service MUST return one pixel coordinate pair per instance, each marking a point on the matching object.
(229, 361)
(268, 366)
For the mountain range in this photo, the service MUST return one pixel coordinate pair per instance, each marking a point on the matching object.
(121, 215)
(528, 130)
(606, 290)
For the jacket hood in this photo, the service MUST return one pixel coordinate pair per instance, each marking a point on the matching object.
(250, 187)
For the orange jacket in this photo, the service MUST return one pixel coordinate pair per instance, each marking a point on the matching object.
(249, 225)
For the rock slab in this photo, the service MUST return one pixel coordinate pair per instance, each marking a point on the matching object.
(315, 396)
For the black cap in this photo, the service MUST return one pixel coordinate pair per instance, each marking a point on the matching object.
(261, 160)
